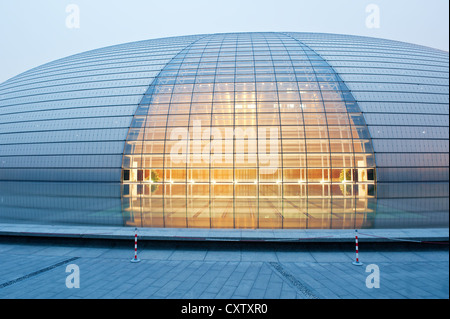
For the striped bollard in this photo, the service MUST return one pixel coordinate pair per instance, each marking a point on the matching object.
(357, 262)
(135, 259)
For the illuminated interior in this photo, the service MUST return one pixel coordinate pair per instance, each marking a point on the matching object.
(248, 131)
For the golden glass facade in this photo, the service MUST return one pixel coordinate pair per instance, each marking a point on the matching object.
(248, 131)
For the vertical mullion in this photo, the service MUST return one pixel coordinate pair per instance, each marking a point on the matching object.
(165, 135)
(328, 133)
(188, 128)
(210, 131)
(234, 132)
(257, 137)
(304, 133)
(281, 136)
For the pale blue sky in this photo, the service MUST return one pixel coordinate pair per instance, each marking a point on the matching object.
(33, 32)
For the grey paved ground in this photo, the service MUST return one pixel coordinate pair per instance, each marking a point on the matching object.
(37, 269)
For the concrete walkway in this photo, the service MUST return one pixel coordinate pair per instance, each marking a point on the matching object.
(35, 267)
(233, 235)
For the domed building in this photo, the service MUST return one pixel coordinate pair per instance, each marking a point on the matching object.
(239, 130)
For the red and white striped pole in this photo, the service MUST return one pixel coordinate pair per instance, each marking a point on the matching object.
(357, 262)
(135, 259)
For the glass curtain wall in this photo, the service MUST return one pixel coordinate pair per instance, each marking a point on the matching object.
(248, 131)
